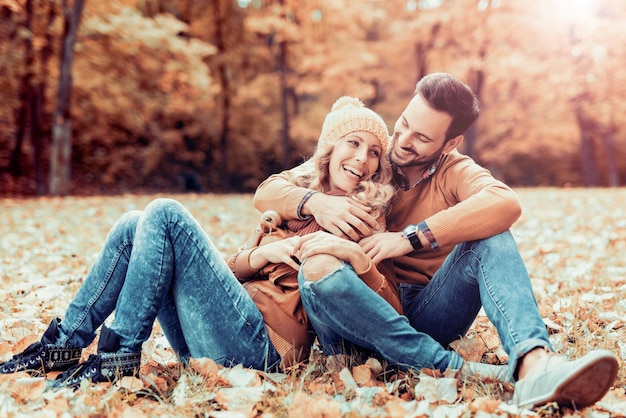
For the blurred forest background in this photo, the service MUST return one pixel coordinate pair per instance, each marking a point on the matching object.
(115, 96)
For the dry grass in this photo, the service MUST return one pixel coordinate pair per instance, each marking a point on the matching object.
(573, 242)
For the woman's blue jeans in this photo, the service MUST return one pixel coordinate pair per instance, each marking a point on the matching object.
(159, 263)
(488, 273)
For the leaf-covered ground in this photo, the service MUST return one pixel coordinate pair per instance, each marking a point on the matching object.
(573, 241)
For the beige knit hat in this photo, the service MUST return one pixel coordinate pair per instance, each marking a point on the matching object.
(348, 115)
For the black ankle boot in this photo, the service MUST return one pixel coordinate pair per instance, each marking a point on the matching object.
(43, 356)
(106, 366)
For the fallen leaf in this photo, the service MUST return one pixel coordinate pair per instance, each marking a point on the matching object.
(204, 366)
(435, 389)
(347, 379)
(470, 348)
(622, 349)
(375, 366)
(239, 399)
(486, 405)
(306, 406)
(28, 388)
(363, 375)
(238, 376)
(58, 405)
(130, 383)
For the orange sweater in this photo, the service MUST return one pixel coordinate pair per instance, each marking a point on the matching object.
(460, 202)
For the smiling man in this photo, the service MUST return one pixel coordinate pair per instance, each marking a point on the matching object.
(451, 253)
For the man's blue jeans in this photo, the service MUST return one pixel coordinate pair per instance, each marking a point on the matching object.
(160, 263)
(488, 273)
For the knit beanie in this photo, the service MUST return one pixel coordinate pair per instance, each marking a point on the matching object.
(349, 115)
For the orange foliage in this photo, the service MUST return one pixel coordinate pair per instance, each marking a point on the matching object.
(167, 88)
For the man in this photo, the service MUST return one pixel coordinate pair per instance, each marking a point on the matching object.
(452, 254)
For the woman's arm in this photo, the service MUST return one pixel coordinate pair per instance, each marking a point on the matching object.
(246, 264)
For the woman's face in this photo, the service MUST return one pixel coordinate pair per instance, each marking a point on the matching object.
(354, 158)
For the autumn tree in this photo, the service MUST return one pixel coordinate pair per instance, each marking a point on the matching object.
(593, 34)
(26, 51)
(322, 50)
(61, 149)
(143, 101)
(229, 92)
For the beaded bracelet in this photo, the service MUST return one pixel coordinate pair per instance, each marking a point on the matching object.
(306, 197)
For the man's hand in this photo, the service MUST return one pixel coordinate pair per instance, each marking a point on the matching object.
(341, 216)
(385, 245)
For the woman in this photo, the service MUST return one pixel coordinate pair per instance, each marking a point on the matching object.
(159, 263)
(332, 170)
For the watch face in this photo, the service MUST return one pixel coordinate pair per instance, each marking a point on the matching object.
(408, 230)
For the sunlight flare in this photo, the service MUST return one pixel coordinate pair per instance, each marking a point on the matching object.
(575, 10)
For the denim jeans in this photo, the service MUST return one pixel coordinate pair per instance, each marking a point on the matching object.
(159, 263)
(488, 273)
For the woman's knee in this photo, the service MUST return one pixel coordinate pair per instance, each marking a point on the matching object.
(165, 209)
(126, 224)
(320, 266)
(163, 204)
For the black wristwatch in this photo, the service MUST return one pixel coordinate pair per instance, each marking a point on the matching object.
(410, 233)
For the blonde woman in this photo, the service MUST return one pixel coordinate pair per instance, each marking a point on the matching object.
(160, 264)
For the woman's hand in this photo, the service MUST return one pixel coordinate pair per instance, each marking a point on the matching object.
(341, 216)
(324, 243)
(280, 251)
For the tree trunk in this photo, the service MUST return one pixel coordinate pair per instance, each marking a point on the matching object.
(587, 151)
(23, 117)
(608, 137)
(422, 48)
(223, 74)
(477, 81)
(40, 142)
(284, 107)
(36, 135)
(15, 167)
(284, 94)
(611, 165)
(61, 150)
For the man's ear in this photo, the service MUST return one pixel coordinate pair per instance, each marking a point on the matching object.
(453, 143)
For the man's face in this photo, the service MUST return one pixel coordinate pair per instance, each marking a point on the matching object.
(419, 136)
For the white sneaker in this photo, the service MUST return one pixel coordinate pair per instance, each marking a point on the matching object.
(577, 383)
(483, 371)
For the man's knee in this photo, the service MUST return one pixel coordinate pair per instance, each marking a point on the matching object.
(320, 266)
(499, 243)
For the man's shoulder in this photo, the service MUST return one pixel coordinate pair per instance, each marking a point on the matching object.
(455, 161)
(458, 171)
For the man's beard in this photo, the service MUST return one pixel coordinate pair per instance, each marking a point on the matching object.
(417, 160)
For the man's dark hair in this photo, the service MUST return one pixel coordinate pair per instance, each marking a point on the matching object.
(447, 93)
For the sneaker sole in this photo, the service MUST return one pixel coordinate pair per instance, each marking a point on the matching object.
(586, 386)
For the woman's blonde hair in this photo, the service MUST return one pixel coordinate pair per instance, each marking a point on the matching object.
(376, 192)
(349, 115)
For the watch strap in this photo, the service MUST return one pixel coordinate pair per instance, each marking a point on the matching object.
(410, 233)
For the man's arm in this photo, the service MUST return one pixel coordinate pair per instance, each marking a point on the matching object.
(481, 207)
(338, 215)
(470, 204)
(279, 194)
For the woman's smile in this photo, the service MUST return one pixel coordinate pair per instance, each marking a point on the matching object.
(353, 171)
(355, 158)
